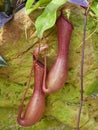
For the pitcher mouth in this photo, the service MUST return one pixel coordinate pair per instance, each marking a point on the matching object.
(38, 62)
(66, 20)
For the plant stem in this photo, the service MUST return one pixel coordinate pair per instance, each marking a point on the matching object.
(82, 70)
(26, 90)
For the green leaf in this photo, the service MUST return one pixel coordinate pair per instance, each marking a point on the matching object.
(30, 8)
(94, 7)
(93, 89)
(2, 61)
(29, 3)
(47, 19)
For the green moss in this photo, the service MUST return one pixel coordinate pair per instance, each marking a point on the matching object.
(11, 94)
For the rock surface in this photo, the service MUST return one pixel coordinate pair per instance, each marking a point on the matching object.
(18, 39)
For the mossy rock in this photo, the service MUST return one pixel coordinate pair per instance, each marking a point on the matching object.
(18, 39)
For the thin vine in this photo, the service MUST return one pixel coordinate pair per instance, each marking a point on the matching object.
(82, 70)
